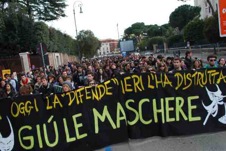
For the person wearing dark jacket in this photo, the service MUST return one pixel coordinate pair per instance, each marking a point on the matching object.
(46, 88)
(188, 60)
(79, 77)
(9, 91)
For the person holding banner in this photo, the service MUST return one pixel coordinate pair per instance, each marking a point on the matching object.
(67, 86)
(162, 67)
(197, 64)
(25, 90)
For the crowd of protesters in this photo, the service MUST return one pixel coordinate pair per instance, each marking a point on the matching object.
(90, 72)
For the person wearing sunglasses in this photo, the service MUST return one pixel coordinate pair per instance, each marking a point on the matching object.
(162, 67)
(211, 61)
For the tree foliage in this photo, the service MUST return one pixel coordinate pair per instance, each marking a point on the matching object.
(19, 33)
(155, 30)
(45, 10)
(211, 29)
(209, 3)
(88, 43)
(193, 31)
(157, 40)
(182, 15)
(136, 29)
(175, 39)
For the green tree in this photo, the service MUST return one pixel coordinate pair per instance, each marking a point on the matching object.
(59, 42)
(2, 27)
(209, 3)
(40, 35)
(41, 32)
(144, 44)
(88, 43)
(52, 47)
(170, 32)
(45, 10)
(193, 31)
(174, 39)
(211, 29)
(182, 15)
(136, 29)
(157, 40)
(154, 30)
(10, 37)
(25, 33)
(50, 9)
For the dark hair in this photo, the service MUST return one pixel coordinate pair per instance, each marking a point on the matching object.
(187, 52)
(51, 75)
(89, 72)
(160, 57)
(177, 58)
(6, 75)
(220, 59)
(169, 58)
(211, 56)
(199, 60)
(25, 89)
(44, 78)
(11, 87)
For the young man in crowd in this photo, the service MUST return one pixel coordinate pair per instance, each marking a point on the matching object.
(90, 80)
(37, 85)
(176, 65)
(211, 62)
(46, 88)
(188, 60)
(79, 77)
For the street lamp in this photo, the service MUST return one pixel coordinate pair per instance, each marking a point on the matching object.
(79, 4)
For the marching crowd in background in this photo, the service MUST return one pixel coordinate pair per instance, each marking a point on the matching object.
(90, 72)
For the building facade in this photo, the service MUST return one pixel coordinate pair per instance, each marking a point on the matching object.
(107, 46)
(205, 8)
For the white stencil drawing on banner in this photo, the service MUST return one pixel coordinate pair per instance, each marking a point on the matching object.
(212, 109)
(7, 143)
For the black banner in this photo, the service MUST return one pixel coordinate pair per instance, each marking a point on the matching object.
(128, 107)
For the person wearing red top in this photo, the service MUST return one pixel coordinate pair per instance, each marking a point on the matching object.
(24, 80)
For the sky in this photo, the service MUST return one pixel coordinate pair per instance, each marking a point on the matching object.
(103, 16)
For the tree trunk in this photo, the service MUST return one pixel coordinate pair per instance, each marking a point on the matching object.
(211, 6)
(29, 9)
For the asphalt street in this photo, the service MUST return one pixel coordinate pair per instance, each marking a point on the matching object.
(204, 142)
